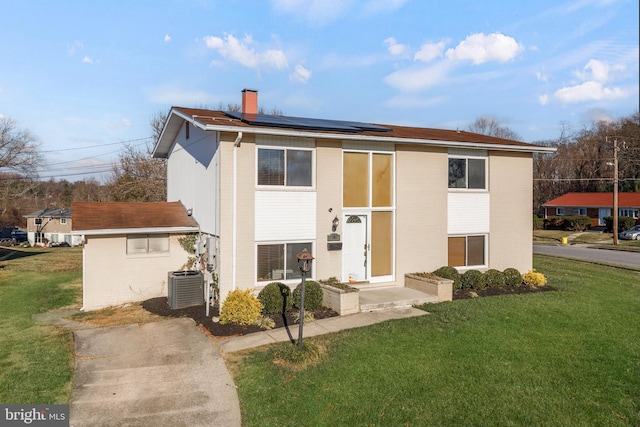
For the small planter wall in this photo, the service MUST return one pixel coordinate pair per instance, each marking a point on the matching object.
(442, 288)
(342, 301)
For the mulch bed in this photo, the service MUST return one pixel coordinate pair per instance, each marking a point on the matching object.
(507, 290)
(160, 307)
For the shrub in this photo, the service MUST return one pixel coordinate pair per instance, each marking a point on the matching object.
(624, 223)
(312, 295)
(472, 279)
(265, 322)
(275, 298)
(450, 273)
(494, 278)
(538, 223)
(241, 306)
(512, 277)
(533, 278)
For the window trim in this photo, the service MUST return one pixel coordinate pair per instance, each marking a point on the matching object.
(284, 186)
(634, 212)
(310, 275)
(63, 221)
(559, 211)
(580, 210)
(467, 157)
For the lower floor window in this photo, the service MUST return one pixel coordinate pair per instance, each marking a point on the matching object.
(633, 213)
(279, 261)
(147, 243)
(465, 251)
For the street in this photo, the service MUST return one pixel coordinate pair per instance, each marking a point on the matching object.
(631, 259)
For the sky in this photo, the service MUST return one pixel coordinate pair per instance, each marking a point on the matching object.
(86, 77)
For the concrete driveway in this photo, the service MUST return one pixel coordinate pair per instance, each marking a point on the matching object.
(167, 373)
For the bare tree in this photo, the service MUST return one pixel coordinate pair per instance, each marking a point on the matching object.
(138, 177)
(18, 150)
(488, 125)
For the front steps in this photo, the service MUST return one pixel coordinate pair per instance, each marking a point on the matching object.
(392, 298)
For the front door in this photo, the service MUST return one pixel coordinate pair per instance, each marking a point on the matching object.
(355, 248)
(602, 214)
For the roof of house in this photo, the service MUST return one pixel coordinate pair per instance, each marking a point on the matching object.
(122, 217)
(595, 200)
(329, 129)
(50, 213)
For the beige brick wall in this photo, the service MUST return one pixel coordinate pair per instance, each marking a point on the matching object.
(421, 209)
(511, 239)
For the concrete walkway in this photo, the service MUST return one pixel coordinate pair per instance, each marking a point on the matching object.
(317, 327)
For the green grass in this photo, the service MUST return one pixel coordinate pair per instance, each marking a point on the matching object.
(564, 358)
(36, 360)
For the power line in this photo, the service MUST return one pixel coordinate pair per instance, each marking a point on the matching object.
(98, 145)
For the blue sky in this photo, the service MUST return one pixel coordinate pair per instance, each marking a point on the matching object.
(86, 77)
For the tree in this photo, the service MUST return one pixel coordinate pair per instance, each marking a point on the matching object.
(18, 150)
(138, 177)
(488, 125)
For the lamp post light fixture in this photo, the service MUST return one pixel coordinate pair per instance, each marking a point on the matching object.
(304, 264)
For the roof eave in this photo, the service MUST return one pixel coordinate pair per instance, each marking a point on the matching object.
(150, 230)
(393, 140)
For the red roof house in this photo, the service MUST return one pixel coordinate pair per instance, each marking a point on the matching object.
(594, 205)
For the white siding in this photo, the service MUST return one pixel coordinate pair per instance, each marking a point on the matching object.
(285, 215)
(468, 213)
(193, 177)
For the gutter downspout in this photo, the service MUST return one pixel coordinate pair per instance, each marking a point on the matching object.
(234, 213)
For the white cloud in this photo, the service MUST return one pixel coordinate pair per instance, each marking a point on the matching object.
(480, 48)
(74, 47)
(542, 76)
(430, 51)
(167, 38)
(543, 99)
(589, 91)
(87, 60)
(418, 77)
(243, 53)
(126, 123)
(300, 74)
(395, 48)
(598, 71)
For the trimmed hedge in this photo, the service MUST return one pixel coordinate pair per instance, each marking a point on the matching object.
(275, 298)
(494, 278)
(512, 277)
(472, 279)
(450, 273)
(312, 295)
(624, 223)
(569, 223)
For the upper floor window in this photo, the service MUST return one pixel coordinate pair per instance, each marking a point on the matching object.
(468, 172)
(285, 166)
(63, 221)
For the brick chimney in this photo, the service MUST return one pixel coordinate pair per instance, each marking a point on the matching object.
(249, 101)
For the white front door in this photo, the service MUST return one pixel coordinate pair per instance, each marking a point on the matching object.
(602, 213)
(355, 248)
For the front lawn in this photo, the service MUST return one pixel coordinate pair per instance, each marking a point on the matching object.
(570, 357)
(36, 360)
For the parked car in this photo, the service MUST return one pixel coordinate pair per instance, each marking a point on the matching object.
(8, 241)
(59, 245)
(632, 234)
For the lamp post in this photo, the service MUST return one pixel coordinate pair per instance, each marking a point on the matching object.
(304, 264)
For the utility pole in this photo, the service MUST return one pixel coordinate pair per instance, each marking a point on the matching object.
(615, 191)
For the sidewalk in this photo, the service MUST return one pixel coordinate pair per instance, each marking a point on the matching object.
(317, 327)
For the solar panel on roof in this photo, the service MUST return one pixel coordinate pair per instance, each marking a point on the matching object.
(305, 123)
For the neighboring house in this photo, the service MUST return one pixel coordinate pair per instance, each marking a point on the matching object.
(370, 202)
(129, 249)
(597, 206)
(50, 225)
